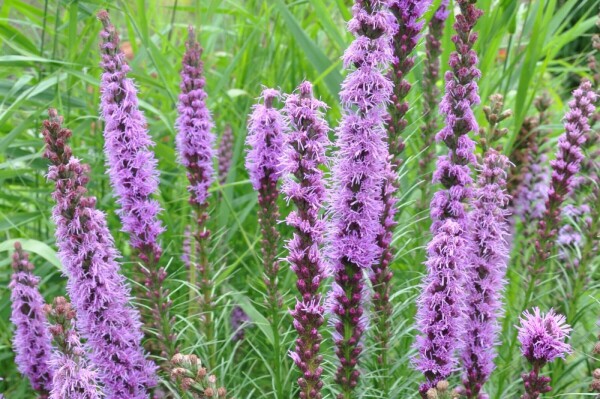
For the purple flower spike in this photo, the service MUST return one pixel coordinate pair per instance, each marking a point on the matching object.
(356, 203)
(431, 75)
(304, 154)
(73, 378)
(134, 177)
(31, 341)
(569, 156)
(239, 321)
(195, 145)
(100, 295)
(542, 338)
(439, 307)
(225, 154)
(484, 282)
(407, 32)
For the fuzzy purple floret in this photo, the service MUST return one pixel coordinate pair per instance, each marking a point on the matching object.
(484, 282)
(542, 336)
(356, 203)
(195, 140)
(304, 185)
(100, 294)
(132, 166)
(265, 140)
(439, 306)
(31, 341)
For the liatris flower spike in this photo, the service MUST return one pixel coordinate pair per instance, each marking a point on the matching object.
(134, 177)
(542, 337)
(439, 306)
(484, 282)
(100, 295)
(195, 145)
(239, 321)
(225, 154)
(31, 340)
(356, 203)
(263, 162)
(304, 185)
(73, 377)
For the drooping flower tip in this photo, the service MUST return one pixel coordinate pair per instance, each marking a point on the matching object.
(542, 336)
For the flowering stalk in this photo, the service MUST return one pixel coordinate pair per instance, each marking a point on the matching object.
(31, 341)
(134, 178)
(484, 282)
(439, 306)
(431, 75)
(356, 203)
(73, 378)
(542, 339)
(304, 185)
(195, 145)
(265, 140)
(565, 167)
(225, 154)
(239, 321)
(100, 295)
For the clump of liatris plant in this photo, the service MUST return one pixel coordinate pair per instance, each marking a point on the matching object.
(31, 340)
(100, 295)
(265, 140)
(565, 167)
(439, 306)
(356, 203)
(304, 154)
(484, 281)
(431, 75)
(191, 377)
(134, 177)
(239, 321)
(73, 378)
(195, 142)
(542, 338)
(406, 34)
(225, 154)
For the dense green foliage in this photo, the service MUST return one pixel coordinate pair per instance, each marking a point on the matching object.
(49, 57)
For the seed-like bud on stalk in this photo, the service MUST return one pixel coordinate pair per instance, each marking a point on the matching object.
(542, 337)
(439, 306)
(73, 377)
(304, 185)
(190, 376)
(100, 295)
(195, 145)
(31, 341)
(484, 281)
(225, 153)
(263, 161)
(564, 168)
(133, 176)
(356, 203)
(431, 75)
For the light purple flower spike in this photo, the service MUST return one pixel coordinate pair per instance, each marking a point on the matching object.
(484, 282)
(306, 142)
(31, 341)
(225, 154)
(439, 306)
(542, 338)
(356, 203)
(99, 293)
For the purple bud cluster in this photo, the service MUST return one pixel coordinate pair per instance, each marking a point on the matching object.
(304, 185)
(439, 306)
(73, 377)
(568, 160)
(31, 340)
(356, 203)
(100, 295)
(542, 337)
(484, 281)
